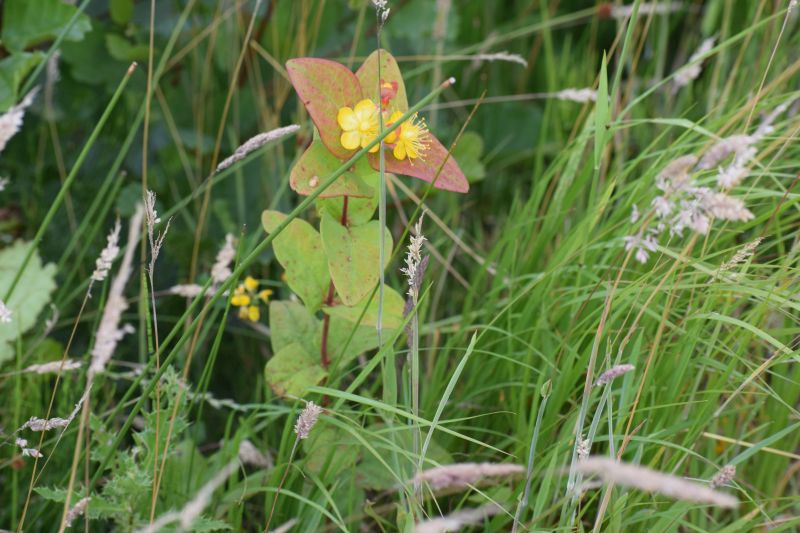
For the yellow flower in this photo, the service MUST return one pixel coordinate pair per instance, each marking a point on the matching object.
(359, 125)
(250, 283)
(248, 300)
(240, 300)
(410, 140)
(264, 295)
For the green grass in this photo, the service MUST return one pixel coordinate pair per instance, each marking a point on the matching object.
(530, 294)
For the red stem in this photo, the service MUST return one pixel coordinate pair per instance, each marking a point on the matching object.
(326, 321)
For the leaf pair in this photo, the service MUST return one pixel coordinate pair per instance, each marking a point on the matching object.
(348, 255)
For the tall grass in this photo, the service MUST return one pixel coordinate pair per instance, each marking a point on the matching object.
(529, 297)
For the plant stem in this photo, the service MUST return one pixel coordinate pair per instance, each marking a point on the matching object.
(325, 359)
(283, 480)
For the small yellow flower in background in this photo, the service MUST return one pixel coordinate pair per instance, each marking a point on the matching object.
(247, 297)
(359, 125)
(250, 283)
(264, 295)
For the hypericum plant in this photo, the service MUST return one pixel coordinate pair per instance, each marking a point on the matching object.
(335, 270)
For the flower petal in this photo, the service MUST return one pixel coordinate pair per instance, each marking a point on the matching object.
(366, 110)
(347, 119)
(399, 151)
(350, 140)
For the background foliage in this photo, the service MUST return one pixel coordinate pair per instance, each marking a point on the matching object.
(531, 262)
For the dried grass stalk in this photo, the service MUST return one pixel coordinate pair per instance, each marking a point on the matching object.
(647, 480)
(457, 520)
(463, 475)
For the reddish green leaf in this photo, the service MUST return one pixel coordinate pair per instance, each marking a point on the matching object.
(316, 164)
(324, 87)
(299, 250)
(426, 167)
(293, 370)
(353, 255)
(368, 76)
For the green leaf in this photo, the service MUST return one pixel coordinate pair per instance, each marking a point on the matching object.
(427, 167)
(30, 296)
(31, 22)
(13, 70)
(468, 154)
(316, 164)
(299, 250)
(121, 11)
(343, 349)
(122, 49)
(99, 508)
(293, 370)
(392, 310)
(329, 451)
(359, 210)
(369, 79)
(89, 60)
(290, 323)
(353, 255)
(324, 87)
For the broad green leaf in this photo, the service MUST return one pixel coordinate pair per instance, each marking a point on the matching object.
(89, 60)
(343, 349)
(316, 164)
(392, 310)
(290, 322)
(353, 255)
(359, 210)
(329, 451)
(427, 167)
(121, 11)
(324, 87)
(13, 70)
(31, 22)
(293, 370)
(369, 79)
(30, 296)
(468, 154)
(120, 48)
(299, 250)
